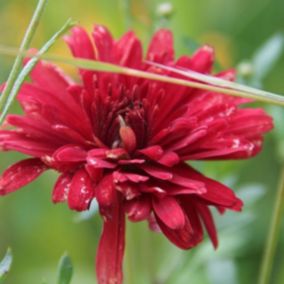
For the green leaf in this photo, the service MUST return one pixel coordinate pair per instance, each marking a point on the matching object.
(267, 55)
(30, 65)
(5, 264)
(65, 270)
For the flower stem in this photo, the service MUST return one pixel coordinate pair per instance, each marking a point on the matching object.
(273, 235)
(29, 34)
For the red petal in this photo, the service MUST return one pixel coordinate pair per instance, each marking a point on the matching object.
(182, 177)
(111, 247)
(50, 78)
(153, 152)
(105, 192)
(157, 172)
(161, 48)
(99, 163)
(123, 177)
(80, 43)
(128, 51)
(184, 238)
(128, 189)
(81, 191)
(20, 174)
(217, 193)
(104, 43)
(169, 212)
(202, 60)
(70, 153)
(61, 188)
(169, 159)
(208, 221)
(138, 209)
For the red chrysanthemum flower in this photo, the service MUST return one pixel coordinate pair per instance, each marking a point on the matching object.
(125, 141)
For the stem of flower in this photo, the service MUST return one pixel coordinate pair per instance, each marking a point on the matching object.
(273, 235)
(29, 34)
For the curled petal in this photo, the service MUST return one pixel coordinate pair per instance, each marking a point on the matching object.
(61, 188)
(138, 209)
(20, 174)
(106, 194)
(186, 237)
(81, 191)
(169, 212)
(70, 153)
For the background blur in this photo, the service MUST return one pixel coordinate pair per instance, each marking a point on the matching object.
(39, 232)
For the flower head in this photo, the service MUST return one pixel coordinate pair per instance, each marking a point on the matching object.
(125, 141)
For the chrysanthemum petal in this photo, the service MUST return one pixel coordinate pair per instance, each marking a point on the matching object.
(161, 48)
(207, 218)
(184, 238)
(61, 188)
(217, 193)
(105, 192)
(169, 212)
(70, 153)
(80, 43)
(81, 191)
(138, 209)
(20, 174)
(103, 42)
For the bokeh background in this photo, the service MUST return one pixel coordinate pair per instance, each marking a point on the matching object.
(39, 232)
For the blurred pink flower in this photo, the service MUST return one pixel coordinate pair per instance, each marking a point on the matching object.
(124, 141)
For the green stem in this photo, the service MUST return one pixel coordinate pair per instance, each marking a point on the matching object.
(29, 34)
(273, 235)
(30, 65)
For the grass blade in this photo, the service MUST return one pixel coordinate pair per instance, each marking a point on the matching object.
(30, 65)
(252, 93)
(207, 82)
(29, 34)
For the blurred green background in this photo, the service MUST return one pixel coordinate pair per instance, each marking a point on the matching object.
(39, 232)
